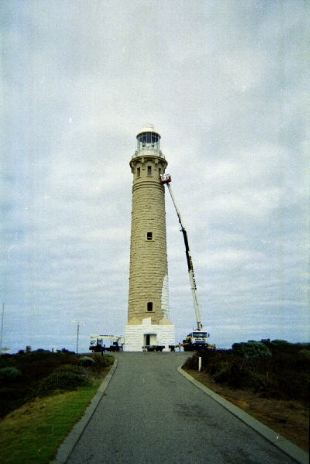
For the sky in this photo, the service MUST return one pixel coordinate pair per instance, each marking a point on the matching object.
(226, 84)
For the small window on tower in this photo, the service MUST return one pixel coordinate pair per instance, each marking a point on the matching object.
(149, 235)
(149, 170)
(138, 172)
(150, 306)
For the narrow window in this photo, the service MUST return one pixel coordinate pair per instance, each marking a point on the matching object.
(149, 235)
(138, 172)
(150, 306)
(149, 170)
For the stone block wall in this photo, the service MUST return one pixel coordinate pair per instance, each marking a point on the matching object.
(148, 251)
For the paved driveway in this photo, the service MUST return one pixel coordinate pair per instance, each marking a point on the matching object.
(152, 414)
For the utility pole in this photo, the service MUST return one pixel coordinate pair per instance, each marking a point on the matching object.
(1, 331)
(77, 337)
(77, 334)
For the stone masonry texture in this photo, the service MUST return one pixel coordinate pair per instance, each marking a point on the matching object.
(148, 249)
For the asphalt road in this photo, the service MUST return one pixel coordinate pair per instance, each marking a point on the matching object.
(151, 414)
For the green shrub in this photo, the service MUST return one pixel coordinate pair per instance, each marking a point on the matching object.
(10, 373)
(104, 361)
(280, 342)
(101, 363)
(63, 381)
(36, 366)
(70, 368)
(86, 361)
(304, 354)
(252, 350)
(234, 373)
(220, 371)
(10, 398)
(273, 370)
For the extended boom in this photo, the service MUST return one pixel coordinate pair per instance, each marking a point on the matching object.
(166, 179)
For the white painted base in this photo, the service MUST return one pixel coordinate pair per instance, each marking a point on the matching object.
(136, 336)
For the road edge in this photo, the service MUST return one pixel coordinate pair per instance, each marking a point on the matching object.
(71, 440)
(285, 445)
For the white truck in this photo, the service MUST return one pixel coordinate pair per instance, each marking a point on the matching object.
(98, 343)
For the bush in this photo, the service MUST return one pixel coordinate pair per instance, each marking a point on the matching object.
(35, 367)
(86, 361)
(10, 373)
(275, 369)
(69, 368)
(252, 350)
(280, 342)
(63, 381)
(10, 398)
(232, 372)
(304, 354)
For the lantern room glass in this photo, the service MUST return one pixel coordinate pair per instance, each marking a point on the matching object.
(148, 140)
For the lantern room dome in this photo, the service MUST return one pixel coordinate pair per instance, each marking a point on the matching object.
(148, 128)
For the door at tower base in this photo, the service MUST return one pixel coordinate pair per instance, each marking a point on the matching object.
(138, 335)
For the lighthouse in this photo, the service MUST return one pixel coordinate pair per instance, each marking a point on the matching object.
(148, 303)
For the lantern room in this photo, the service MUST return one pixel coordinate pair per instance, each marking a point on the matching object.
(148, 140)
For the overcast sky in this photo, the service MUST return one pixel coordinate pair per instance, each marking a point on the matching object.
(226, 84)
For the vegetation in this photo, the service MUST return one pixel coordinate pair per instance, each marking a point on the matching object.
(10, 373)
(272, 369)
(42, 396)
(33, 433)
(268, 380)
(86, 361)
(26, 376)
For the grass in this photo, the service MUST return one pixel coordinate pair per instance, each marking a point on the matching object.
(42, 396)
(33, 433)
(41, 373)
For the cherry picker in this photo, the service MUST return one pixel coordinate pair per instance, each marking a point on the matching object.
(198, 338)
(97, 343)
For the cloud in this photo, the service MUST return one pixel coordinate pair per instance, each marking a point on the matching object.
(225, 86)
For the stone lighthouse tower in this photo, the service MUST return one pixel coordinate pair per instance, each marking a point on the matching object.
(148, 306)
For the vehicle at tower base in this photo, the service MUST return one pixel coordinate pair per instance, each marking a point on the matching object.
(196, 340)
(153, 347)
(98, 343)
